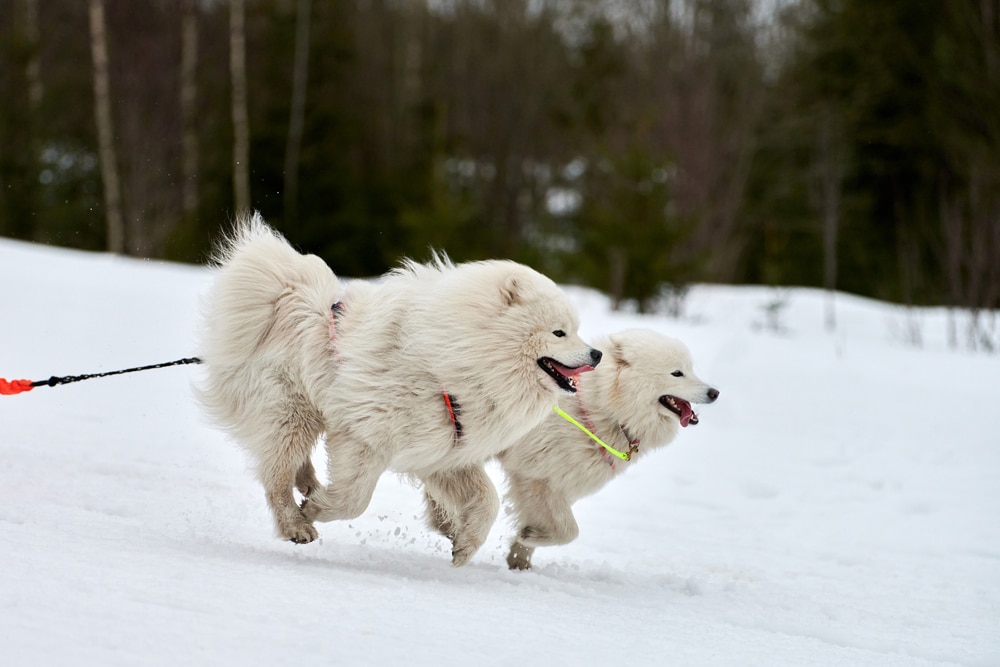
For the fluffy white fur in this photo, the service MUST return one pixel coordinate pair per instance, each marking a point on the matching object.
(282, 372)
(557, 464)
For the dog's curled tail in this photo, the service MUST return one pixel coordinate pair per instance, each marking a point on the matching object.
(263, 284)
(247, 230)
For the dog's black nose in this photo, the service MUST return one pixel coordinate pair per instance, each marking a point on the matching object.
(712, 393)
(595, 356)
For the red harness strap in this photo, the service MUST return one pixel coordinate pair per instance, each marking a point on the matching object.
(454, 410)
(590, 424)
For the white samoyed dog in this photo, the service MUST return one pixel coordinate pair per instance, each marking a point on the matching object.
(636, 401)
(430, 371)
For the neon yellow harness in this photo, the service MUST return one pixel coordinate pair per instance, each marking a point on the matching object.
(625, 456)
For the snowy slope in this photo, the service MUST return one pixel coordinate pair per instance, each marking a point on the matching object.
(836, 506)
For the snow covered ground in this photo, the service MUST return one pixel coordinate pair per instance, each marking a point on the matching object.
(837, 506)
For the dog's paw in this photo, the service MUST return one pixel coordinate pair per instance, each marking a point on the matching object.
(464, 547)
(297, 528)
(519, 557)
(460, 557)
(303, 533)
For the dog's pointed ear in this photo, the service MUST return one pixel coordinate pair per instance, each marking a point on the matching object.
(510, 290)
(617, 352)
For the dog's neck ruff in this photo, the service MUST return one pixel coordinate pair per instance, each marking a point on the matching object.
(624, 456)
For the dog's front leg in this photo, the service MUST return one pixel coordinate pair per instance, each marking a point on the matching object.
(462, 504)
(544, 518)
(353, 470)
(306, 480)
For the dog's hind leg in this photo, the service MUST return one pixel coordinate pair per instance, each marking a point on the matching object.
(282, 465)
(288, 518)
(463, 504)
(280, 431)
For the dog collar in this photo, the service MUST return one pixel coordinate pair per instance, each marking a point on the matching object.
(633, 442)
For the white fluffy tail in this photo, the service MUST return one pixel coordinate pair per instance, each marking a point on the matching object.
(248, 229)
(259, 273)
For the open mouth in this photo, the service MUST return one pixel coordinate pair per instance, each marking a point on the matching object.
(681, 408)
(565, 377)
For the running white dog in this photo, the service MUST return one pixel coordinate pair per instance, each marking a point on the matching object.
(430, 371)
(635, 402)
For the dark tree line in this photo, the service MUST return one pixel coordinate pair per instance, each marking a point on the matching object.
(633, 146)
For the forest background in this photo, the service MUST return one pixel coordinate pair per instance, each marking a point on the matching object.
(634, 146)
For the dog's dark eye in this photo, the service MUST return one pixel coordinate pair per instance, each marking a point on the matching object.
(678, 374)
(559, 333)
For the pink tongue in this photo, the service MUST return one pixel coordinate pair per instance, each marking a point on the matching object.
(571, 372)
(686, 413)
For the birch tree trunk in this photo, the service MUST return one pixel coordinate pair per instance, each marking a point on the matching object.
(300, 77)
(241, 130)
(411, 83)
(828, 174)
(33, 71)
(105, 131)
(189, 96)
